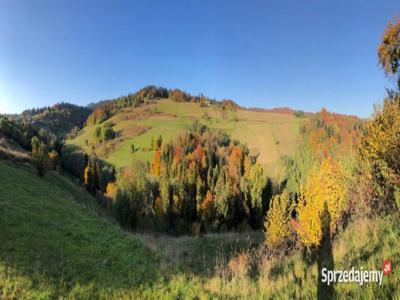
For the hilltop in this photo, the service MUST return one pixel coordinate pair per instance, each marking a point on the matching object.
(269, 135)
(58, 119)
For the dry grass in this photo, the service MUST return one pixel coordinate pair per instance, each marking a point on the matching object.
(11, 150)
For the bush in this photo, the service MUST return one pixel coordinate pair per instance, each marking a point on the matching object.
(104, 133)
(277, 223)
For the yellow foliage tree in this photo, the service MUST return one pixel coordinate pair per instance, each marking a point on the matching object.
(207, 207)
(53, 159)
(277, 223)
(86, 175)
(379, 158)
(325, 188)
(111, 189)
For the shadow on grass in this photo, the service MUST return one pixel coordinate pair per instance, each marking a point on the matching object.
(325, 257)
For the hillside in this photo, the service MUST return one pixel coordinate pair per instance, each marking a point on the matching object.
(58, 119)
(9, 149)
(53, 241)
(268, 135)
(76, 252)
(56, 243)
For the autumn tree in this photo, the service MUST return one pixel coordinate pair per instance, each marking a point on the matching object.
(325, 185)
(379, 159)
(277, 224)
(389, 50)
(53, 159)
(91, 175)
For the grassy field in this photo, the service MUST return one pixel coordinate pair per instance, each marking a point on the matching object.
(54, 243)
(270, 135)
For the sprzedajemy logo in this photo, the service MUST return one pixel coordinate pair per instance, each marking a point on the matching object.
(360, 276)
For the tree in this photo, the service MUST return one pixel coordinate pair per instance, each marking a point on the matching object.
(134, 198)
(53, 159)
(256, 186)
(156, 163)
(277, 223)
(325, 186)
(159, 142)
(389, 50)
(379, 158)
(40, 156)
(207, 208)
(91, 175)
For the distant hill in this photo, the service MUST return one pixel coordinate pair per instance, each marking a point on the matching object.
(59, 119)
(138, 118)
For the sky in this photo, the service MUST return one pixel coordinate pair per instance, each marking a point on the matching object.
(304, 54)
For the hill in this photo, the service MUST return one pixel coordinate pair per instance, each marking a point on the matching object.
(268, 135)
(58, 119)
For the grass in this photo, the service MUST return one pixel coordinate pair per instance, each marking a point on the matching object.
(55, 243)
(365, 243)
(270, 135)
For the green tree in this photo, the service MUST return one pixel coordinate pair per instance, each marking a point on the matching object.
(40, 156)
(256, 186)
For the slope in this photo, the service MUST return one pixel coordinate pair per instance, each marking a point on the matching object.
(54, 242)
(268, 135)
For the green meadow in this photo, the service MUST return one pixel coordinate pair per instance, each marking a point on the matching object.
(268, 135)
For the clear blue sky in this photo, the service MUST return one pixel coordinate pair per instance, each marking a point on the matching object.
(304, 54)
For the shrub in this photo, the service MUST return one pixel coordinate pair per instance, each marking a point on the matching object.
(104, 133)
(277, 223)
